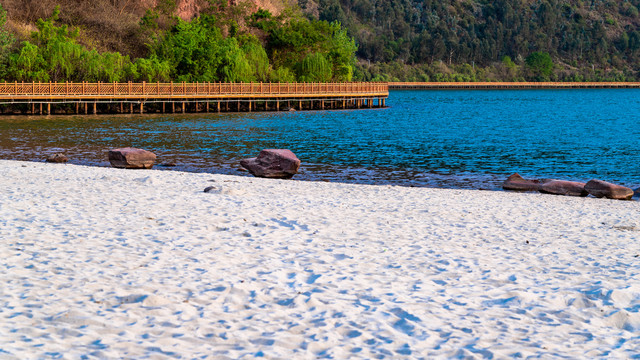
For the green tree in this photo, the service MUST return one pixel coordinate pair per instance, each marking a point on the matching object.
(152, 69)
(282, 75)
(192, 50)
(257, 58)
(54, 55)
(235, 66)
(7, 41)
(28, 64)
(314, 68)
(539, 65)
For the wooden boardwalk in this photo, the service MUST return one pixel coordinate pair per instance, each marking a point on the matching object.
(188, 97)
(512, 85)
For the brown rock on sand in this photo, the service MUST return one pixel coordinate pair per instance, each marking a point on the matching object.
(273, 163)
(562, 187)
(131, 158)
(518, 183)
(57, 158)
(599, 188)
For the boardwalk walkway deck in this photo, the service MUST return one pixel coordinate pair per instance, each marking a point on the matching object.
(511, 85)
(193, 97)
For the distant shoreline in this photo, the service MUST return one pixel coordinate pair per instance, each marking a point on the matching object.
(511, 85)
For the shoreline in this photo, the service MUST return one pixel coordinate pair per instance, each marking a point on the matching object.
(498, 85)
(121, 263)
(350, 175)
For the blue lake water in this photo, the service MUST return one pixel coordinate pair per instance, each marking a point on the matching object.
(452, 139)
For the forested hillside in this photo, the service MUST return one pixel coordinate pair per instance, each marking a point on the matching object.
(148, 41)
(586, 39)
(313, 40)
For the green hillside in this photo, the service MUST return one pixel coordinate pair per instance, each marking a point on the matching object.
(317, 40)
(222, 43)
(587, 40)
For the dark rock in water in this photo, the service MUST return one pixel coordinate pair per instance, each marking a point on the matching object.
(170, 164)
(518, 183)
(599, 188)
(273, 163)
(57, 158)
(131, 158)
(562, 187)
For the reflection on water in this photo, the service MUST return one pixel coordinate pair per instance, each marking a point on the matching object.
(454, 139)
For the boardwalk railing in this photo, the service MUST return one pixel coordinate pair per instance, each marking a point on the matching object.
(67, 89)
(153, 97)
(511, 85)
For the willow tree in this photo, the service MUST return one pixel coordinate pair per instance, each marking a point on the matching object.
(282, 75)
(6, 42)
(152, 69)
(258, 60)
(314, 68)
(235, 66)
(28, 64)
(53, 54)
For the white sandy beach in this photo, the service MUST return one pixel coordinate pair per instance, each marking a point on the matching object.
(111, 263)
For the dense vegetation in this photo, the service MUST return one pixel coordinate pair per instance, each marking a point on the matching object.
(490, 40)
(208, 48)
(321, 40)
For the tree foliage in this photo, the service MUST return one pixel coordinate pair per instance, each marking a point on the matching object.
(105, 40)
(52, 54)
(540, 65)
(205, 49)
(6, 42)
(314, 68)
(579, 35)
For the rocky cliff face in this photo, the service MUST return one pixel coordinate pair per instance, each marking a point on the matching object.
(185, 9)
(188, 9)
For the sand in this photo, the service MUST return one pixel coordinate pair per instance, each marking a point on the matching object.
(109, 263)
